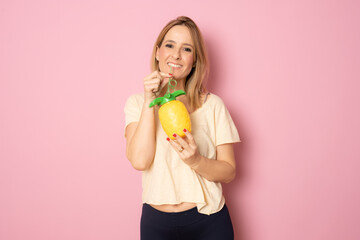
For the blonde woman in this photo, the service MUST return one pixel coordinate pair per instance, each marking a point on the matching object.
(181, 178)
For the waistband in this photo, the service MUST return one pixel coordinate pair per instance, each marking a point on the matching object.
(177, 218)
(192, 211)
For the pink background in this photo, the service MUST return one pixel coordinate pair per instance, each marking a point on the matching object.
(287, 70)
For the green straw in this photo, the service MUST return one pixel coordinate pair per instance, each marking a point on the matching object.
(172, 83)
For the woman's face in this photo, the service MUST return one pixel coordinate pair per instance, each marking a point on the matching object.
(176, 51)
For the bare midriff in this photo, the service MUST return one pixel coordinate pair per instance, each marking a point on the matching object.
(174, 207)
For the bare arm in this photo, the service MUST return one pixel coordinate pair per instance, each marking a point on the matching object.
(222, 169)
(140, 140)
(140, 136)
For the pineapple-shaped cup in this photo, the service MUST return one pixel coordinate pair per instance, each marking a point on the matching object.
(173, 114)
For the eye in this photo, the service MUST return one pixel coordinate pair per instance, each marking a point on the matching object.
(169, 45)
(188, 49)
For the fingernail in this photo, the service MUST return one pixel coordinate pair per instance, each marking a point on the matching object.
(170, 74)
(168, 139)
(174, 134)
(184, 130)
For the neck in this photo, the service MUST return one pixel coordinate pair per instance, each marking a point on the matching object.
(180, 85)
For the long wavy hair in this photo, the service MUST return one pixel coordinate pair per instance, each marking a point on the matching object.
(195, 81)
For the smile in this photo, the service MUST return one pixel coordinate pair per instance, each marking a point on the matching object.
(174, 65)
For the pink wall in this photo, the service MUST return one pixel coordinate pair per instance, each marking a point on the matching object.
(287, 70)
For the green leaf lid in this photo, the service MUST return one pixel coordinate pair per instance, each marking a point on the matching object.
(168, 97)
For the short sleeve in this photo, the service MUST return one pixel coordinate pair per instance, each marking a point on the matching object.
(132, 109)
(225, 129)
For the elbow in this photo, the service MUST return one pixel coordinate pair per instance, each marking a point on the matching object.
(139, 163)
(231, 174)
(230, 177)
(139, 166)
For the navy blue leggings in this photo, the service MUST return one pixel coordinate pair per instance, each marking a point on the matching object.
(187, 225)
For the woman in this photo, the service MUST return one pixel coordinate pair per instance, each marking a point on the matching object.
(181, 178)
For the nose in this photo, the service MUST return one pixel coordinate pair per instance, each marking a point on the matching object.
(176, 54)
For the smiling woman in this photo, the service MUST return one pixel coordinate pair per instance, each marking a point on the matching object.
(176, 51)
(190, 41)
(182, 192)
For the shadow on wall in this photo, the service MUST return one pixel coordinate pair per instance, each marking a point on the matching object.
(233, 190)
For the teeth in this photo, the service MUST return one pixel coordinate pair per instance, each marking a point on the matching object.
(174, 65)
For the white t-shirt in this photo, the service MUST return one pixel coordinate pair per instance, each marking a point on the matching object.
(171, 181)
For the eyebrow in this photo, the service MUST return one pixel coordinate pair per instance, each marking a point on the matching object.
(183, 44)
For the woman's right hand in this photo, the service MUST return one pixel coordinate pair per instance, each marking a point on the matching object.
(154, 83)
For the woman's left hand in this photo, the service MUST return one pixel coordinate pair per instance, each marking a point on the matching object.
(187, 148)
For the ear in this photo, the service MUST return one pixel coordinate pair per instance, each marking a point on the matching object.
(157, 53)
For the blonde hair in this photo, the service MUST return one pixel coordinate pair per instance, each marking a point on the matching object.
(195, 81)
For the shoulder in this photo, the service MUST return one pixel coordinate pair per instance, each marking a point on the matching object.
(215, 100)
(135, 100)
(137, 97)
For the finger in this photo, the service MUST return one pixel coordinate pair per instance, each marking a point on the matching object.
(181, 141)
(176, 146)
(190, 138)
(164, 78)
(158, 79)
(152, 85)
(151, 75)
(165, 74)
(152, 81)
(154, 88)
(158, 74)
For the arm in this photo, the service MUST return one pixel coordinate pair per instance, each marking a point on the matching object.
(140, 139)
(141, 136)
(222, 169)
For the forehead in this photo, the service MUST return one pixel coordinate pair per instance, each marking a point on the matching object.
(179, 34)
